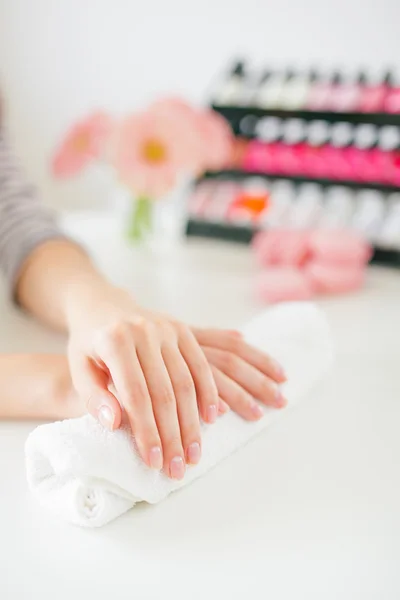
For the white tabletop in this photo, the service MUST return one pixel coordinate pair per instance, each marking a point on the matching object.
(323, 519)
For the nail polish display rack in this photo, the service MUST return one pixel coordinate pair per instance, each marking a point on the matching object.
(244, 121)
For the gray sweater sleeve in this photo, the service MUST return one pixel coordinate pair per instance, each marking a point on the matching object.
(24, 222)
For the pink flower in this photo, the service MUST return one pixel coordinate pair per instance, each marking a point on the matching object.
(207, 138)
(149, 151)
(217, 140)
(84, 143)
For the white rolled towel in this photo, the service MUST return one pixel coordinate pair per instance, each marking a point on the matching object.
(90, 476)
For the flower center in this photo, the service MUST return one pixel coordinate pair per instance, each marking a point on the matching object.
(82, 142)
(154, 151)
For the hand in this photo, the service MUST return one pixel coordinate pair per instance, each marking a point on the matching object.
(242, 373)
(156, 369)
(152, 366)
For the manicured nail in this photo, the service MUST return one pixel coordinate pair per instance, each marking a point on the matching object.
(106, 417)
(156, 461)
(222, 407)
(212, 413)
(194, 453)
(280, 400)
(257, 411)
(177, 468)
(279, 370)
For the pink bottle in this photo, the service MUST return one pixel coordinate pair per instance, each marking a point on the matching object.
(362, 164)
(313, 160)
(289, 158)
(345, 94)
(373, 95)
(385, 155)
(392, 100)
(336, 152)
(261, 154)
(320, 90)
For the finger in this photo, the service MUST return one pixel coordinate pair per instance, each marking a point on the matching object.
(222, 407)
(186, 402)
(232, 342)
(236, 397)
(164, 407)
(130, 385)
(245, 375)
(91, 384)
(207, 396)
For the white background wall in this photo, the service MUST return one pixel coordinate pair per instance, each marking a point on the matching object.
(61, 58)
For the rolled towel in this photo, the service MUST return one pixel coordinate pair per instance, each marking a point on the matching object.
(90, 476)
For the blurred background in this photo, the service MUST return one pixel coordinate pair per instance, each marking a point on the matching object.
(59, 60)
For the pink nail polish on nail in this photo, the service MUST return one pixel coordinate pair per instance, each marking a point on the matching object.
(257, 411)
(106, 417)
(156, 460)
(212, 413)
(194, 453)
(280, 400)
(177, 468)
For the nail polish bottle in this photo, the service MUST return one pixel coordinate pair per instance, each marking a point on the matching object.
(283, 196)
(346, 94)
(296, 90)
(231, 91)
(289, 157)
(262, 153)
(319, 92)
(373, 95)
(389, 234)
(314, 163)
(335, 152)
(270, 92)
(361, 159)
(392, 100)
(306, 210)
(200, 198)
(369, 213)
(224, 196)
(338, 207)
(386, 154)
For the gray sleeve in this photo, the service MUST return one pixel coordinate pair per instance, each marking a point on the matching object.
(24, 222)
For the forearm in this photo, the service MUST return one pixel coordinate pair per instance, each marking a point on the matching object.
(37, 386)
(57, 274)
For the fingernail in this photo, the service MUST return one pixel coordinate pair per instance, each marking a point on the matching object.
(106, 417)
(156, 461)
(222, 407)
(177, 468)
(212, 413)
(280, 400)
(280, 371)
(194, 453)
(257, 411)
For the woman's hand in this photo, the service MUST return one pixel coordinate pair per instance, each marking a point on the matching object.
(165, 375)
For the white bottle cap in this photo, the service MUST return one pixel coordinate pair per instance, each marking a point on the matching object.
(269, 129)
(318, 132)
(294, 130)
(389, 137)
(341, 134)
(365, 135)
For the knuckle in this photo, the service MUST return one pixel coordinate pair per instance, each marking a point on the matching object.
(185, 386)
(113, 336)
(165, 397)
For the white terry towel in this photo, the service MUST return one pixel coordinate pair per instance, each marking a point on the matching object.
(89, 476)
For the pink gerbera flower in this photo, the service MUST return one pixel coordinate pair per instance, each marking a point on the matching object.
(85, 142)
(149, 153)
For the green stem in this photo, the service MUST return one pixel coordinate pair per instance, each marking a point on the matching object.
(140, 220)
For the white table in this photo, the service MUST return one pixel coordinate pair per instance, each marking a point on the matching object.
(324, 521)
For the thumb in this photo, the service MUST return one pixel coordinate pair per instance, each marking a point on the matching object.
(91, 384)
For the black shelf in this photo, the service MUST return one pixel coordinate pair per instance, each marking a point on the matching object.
(236, 175)
(244, 235)
(234, 114)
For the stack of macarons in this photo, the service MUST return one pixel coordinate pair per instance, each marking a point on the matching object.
(298, 265)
